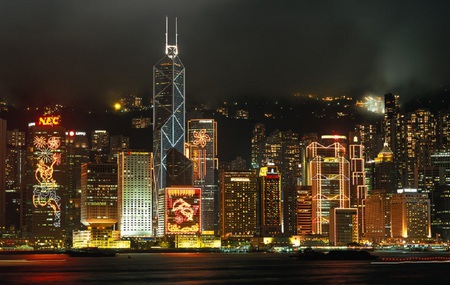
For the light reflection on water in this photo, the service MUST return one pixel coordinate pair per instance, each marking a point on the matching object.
(209, 268)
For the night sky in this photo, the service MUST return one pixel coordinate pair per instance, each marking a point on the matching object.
(72, 52)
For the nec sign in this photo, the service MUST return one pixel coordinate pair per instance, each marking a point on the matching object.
(49, 121)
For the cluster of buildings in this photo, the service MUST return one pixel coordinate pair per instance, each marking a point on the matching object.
(382, 183)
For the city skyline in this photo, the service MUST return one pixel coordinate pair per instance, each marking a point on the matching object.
(72, 52)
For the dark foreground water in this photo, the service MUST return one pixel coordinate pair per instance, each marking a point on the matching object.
(211, 268)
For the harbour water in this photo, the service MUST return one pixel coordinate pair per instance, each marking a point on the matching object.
(217, 268)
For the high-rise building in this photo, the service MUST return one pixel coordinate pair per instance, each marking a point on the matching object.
(239, 203)
(135, 193)
(100, 151)
(119, 143)
(99, 206)
(410, 215)
(384, 186)
(99, 199)
(330, 176)
(45, 197)
(343, 226)
(443, 130)
(369, 139)
(440, 195)
(376, 221)
(304, 210)
(270, 201)
(420, 142)
(77, 153)
(393, 128)
(168, 118)
(2, 174)
(384, 171)
(100, 140)
(14, 177)
(202, 145)
(358, 188)
(259, 133)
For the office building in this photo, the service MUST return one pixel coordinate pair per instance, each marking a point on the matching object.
(376, 221)
(304, 210)
(270, 201)
(99, 207)
(239, 203)
(330, 176)
(344, 226)
(77, 147)
(393, 128)
(99, 195)
(168, 118)
(3, 155)
(44, 207)
(358, 188)
(14, 177)
(410, 215)
(259, 134)
(202, 145)
(135, 193)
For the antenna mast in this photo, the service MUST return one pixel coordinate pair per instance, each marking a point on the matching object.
(172, 50)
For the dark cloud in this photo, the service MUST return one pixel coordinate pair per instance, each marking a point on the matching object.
(83, 51)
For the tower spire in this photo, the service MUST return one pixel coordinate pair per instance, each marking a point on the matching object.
(172, 50)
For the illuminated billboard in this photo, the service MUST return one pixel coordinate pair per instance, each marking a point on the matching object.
(49, 121)
(48, 156)
(183, 210)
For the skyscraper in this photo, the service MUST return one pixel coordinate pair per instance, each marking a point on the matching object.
(99, 194)
(99, 203)
(168, 117)
(135, 193)
(410, 215)
(358, 188)
(330, 175)
(77, 154)
(259, 133)
(45, 196)
(14, 177)
(270, 201)
(239, 203)
(202, 142)
(2, 173)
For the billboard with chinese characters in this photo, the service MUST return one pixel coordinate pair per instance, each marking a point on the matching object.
(183, 210)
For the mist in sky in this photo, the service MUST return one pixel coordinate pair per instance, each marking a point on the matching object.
(93, 52)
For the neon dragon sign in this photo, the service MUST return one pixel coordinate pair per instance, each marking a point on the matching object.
(44, 193)
(183, 210)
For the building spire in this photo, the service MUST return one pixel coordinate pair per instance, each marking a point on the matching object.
(171, 50)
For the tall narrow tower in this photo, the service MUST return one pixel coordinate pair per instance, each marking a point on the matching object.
(168, 117)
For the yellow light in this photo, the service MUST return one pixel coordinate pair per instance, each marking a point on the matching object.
(117, 106)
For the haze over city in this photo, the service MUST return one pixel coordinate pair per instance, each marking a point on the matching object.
(75, 52)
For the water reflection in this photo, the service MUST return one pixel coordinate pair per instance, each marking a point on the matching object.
(209, 268)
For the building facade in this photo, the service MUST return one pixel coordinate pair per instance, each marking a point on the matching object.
(239, 203)
(134, 187)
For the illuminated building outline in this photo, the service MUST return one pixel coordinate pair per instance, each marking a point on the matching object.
(329, 189)
(168, 119)
(44, 193)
